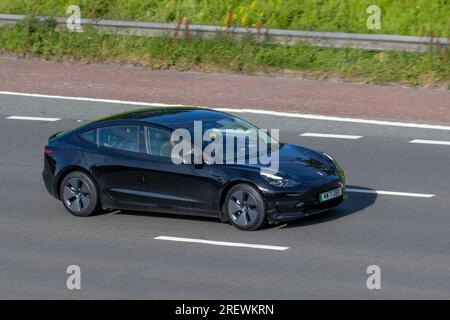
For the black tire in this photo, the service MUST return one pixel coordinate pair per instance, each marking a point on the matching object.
(79, 194)
(245, 208)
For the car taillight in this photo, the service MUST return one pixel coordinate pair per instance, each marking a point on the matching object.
(48, 152)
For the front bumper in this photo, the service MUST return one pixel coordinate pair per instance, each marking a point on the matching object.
(288, 206)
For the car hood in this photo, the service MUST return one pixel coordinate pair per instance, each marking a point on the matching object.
(304, 164)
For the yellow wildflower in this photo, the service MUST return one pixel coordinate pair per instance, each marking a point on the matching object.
(244, 21)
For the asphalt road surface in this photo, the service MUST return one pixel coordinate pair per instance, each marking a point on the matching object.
(402, 226)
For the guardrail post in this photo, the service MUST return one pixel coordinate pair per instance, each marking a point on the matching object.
(180, 22)
(258, 30)
(186, 30)
(229, 20)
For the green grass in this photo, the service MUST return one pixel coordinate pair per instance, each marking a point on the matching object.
(407, 17)
(222, 54)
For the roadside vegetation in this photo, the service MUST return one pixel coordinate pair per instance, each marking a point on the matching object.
(34, 38)
(406, 17)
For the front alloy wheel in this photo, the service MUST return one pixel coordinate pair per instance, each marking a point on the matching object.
(245, 207)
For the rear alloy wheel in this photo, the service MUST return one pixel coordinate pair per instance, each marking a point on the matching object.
(245, 207)
(79, 194)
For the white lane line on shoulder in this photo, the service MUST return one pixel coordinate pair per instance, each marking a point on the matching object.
(444, 143)
(222, 243)
(333, 136)
(340, 119)
(46, 96)
(253, 111)
(33, 118)
(391, 193)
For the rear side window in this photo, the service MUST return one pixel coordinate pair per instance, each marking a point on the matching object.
(89, 136)
(123, 137)
(158, 142)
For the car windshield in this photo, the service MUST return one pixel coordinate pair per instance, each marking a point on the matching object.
(235, 128)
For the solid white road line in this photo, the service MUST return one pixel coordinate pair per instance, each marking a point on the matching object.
(33, 118)
(445, 143)
(338, 119)
(254, 111)
(136, 103)
(222, 243)
(392, 193)
(333, 136)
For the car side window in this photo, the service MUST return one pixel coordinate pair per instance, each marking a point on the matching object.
(121, 137)
(89, 136)
(157, 142)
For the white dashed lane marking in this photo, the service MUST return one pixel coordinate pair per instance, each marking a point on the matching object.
(444, 143)
(332, 136)
(222, 243)
(33, 118)
(391, 193)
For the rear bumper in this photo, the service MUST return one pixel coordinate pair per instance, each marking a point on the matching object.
(50, 184)
(291, 206)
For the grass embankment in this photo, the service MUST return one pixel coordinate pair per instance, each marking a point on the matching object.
(222, 54)
(407, 17)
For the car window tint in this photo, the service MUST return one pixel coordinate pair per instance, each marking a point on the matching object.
(89, 136)
(121, 137)
(158, 142)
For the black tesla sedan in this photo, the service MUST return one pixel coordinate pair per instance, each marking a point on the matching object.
(127, 162)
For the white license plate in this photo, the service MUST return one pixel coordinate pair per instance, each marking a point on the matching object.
(329, 195)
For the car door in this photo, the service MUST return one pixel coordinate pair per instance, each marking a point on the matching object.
(118, 166)
(183, 188)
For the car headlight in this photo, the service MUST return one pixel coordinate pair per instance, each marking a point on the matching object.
(278, 181)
